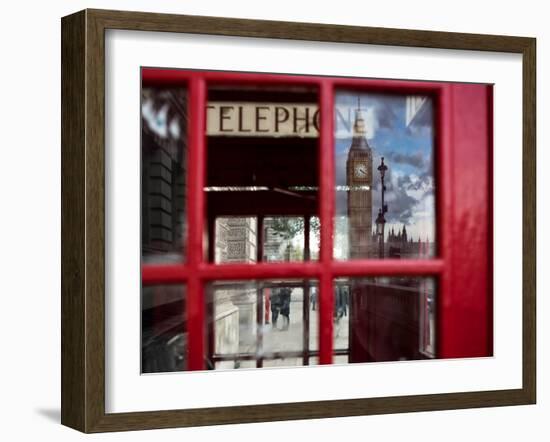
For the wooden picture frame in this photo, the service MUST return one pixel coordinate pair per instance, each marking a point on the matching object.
(83, 220)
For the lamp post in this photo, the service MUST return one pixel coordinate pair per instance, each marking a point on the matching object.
(380, 220)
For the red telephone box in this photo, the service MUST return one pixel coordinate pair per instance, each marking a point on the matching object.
(262, 148)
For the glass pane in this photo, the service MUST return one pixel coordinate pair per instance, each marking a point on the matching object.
(236, 239)
(163, 333)
(261, 321)
(385, 202)
(283, 239)
(341, 315)
(163, 174)
(385, 318)
(283, 362)
(336, 360)
(262, 145)
(230, 364)
(314, 238)
(313, 318)
(427, 317)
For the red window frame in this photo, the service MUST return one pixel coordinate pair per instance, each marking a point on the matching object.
(463, 266)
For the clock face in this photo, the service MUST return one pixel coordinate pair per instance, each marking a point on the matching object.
(360, 171)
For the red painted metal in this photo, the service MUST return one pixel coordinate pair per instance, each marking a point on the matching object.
(174, 77)
(195, 211)
(260, 320)
(444, 208)
(157, 274)
(164, 274)
(306, 297)
(210, 312)
(490, 239)
(264, 270)
(387, 267)
(464, 313)
(326, 215)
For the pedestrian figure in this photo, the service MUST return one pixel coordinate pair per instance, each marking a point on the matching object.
(345, 299)
(338, 303)
(285, 306)
(313, 297)
(275, 300)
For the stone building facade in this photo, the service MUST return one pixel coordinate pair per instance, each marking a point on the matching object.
(164, 165)
(235, 308)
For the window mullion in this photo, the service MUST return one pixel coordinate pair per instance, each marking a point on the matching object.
(326, 215)
(195, 213)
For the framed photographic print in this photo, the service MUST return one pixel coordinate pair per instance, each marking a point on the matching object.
(265, 221)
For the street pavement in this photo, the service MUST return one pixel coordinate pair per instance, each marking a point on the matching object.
(278, 339)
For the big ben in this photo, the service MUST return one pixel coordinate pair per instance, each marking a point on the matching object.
(359, 182)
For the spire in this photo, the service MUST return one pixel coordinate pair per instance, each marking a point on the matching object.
(359, 132)
(359, 124)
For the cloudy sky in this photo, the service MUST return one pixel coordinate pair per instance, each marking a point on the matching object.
(408, 153)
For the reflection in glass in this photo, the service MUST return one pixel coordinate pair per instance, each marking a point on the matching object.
(283, 239)
(163, 173)
(262, 321)
(163, 335)
(385, 318)
(314, 238)
(385, 203)
(276, 323)
(336, 360)
(341, 314)
(427, 317)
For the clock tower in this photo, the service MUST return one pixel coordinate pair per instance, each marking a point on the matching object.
(359, 181)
